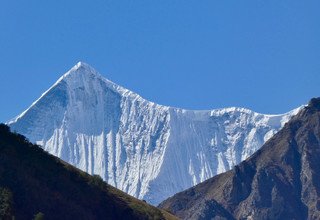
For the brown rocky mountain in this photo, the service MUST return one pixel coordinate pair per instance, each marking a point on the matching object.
(280, 181)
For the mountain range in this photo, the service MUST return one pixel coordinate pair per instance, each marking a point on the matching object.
(148, 150)
(280, 181)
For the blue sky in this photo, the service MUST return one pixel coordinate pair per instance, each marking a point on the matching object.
(263, 55)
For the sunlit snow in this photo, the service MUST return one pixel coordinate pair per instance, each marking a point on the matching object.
(147, 150)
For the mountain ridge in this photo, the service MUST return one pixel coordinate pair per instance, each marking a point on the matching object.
(134, 144)
(89, 69)
(279, 181)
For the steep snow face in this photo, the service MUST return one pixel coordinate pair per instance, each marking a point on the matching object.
(203, 144)
(147, 150)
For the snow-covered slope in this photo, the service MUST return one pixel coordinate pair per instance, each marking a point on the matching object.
(147, 150)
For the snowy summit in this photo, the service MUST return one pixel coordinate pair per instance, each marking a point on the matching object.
(147, 150)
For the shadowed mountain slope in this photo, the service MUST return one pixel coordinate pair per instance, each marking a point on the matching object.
(279, 181)
(34, 182)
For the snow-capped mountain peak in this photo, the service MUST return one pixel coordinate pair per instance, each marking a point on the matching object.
(81, 69)
(147, 150)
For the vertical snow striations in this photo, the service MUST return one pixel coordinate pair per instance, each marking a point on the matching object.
(203, 144)
(145, 149)
(99, 127)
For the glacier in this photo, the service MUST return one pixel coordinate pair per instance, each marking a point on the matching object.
(148, 150)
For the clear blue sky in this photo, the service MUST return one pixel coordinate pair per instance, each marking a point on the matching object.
(259, 54)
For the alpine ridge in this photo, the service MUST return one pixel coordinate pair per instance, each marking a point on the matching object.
(147, 150)
(279, 181)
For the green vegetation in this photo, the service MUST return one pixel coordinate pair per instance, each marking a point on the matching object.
(96, 180)
(32, 180)
(5, 204)
(39, 216)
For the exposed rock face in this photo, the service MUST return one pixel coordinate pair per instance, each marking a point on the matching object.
(147, 150)
(279, 181)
